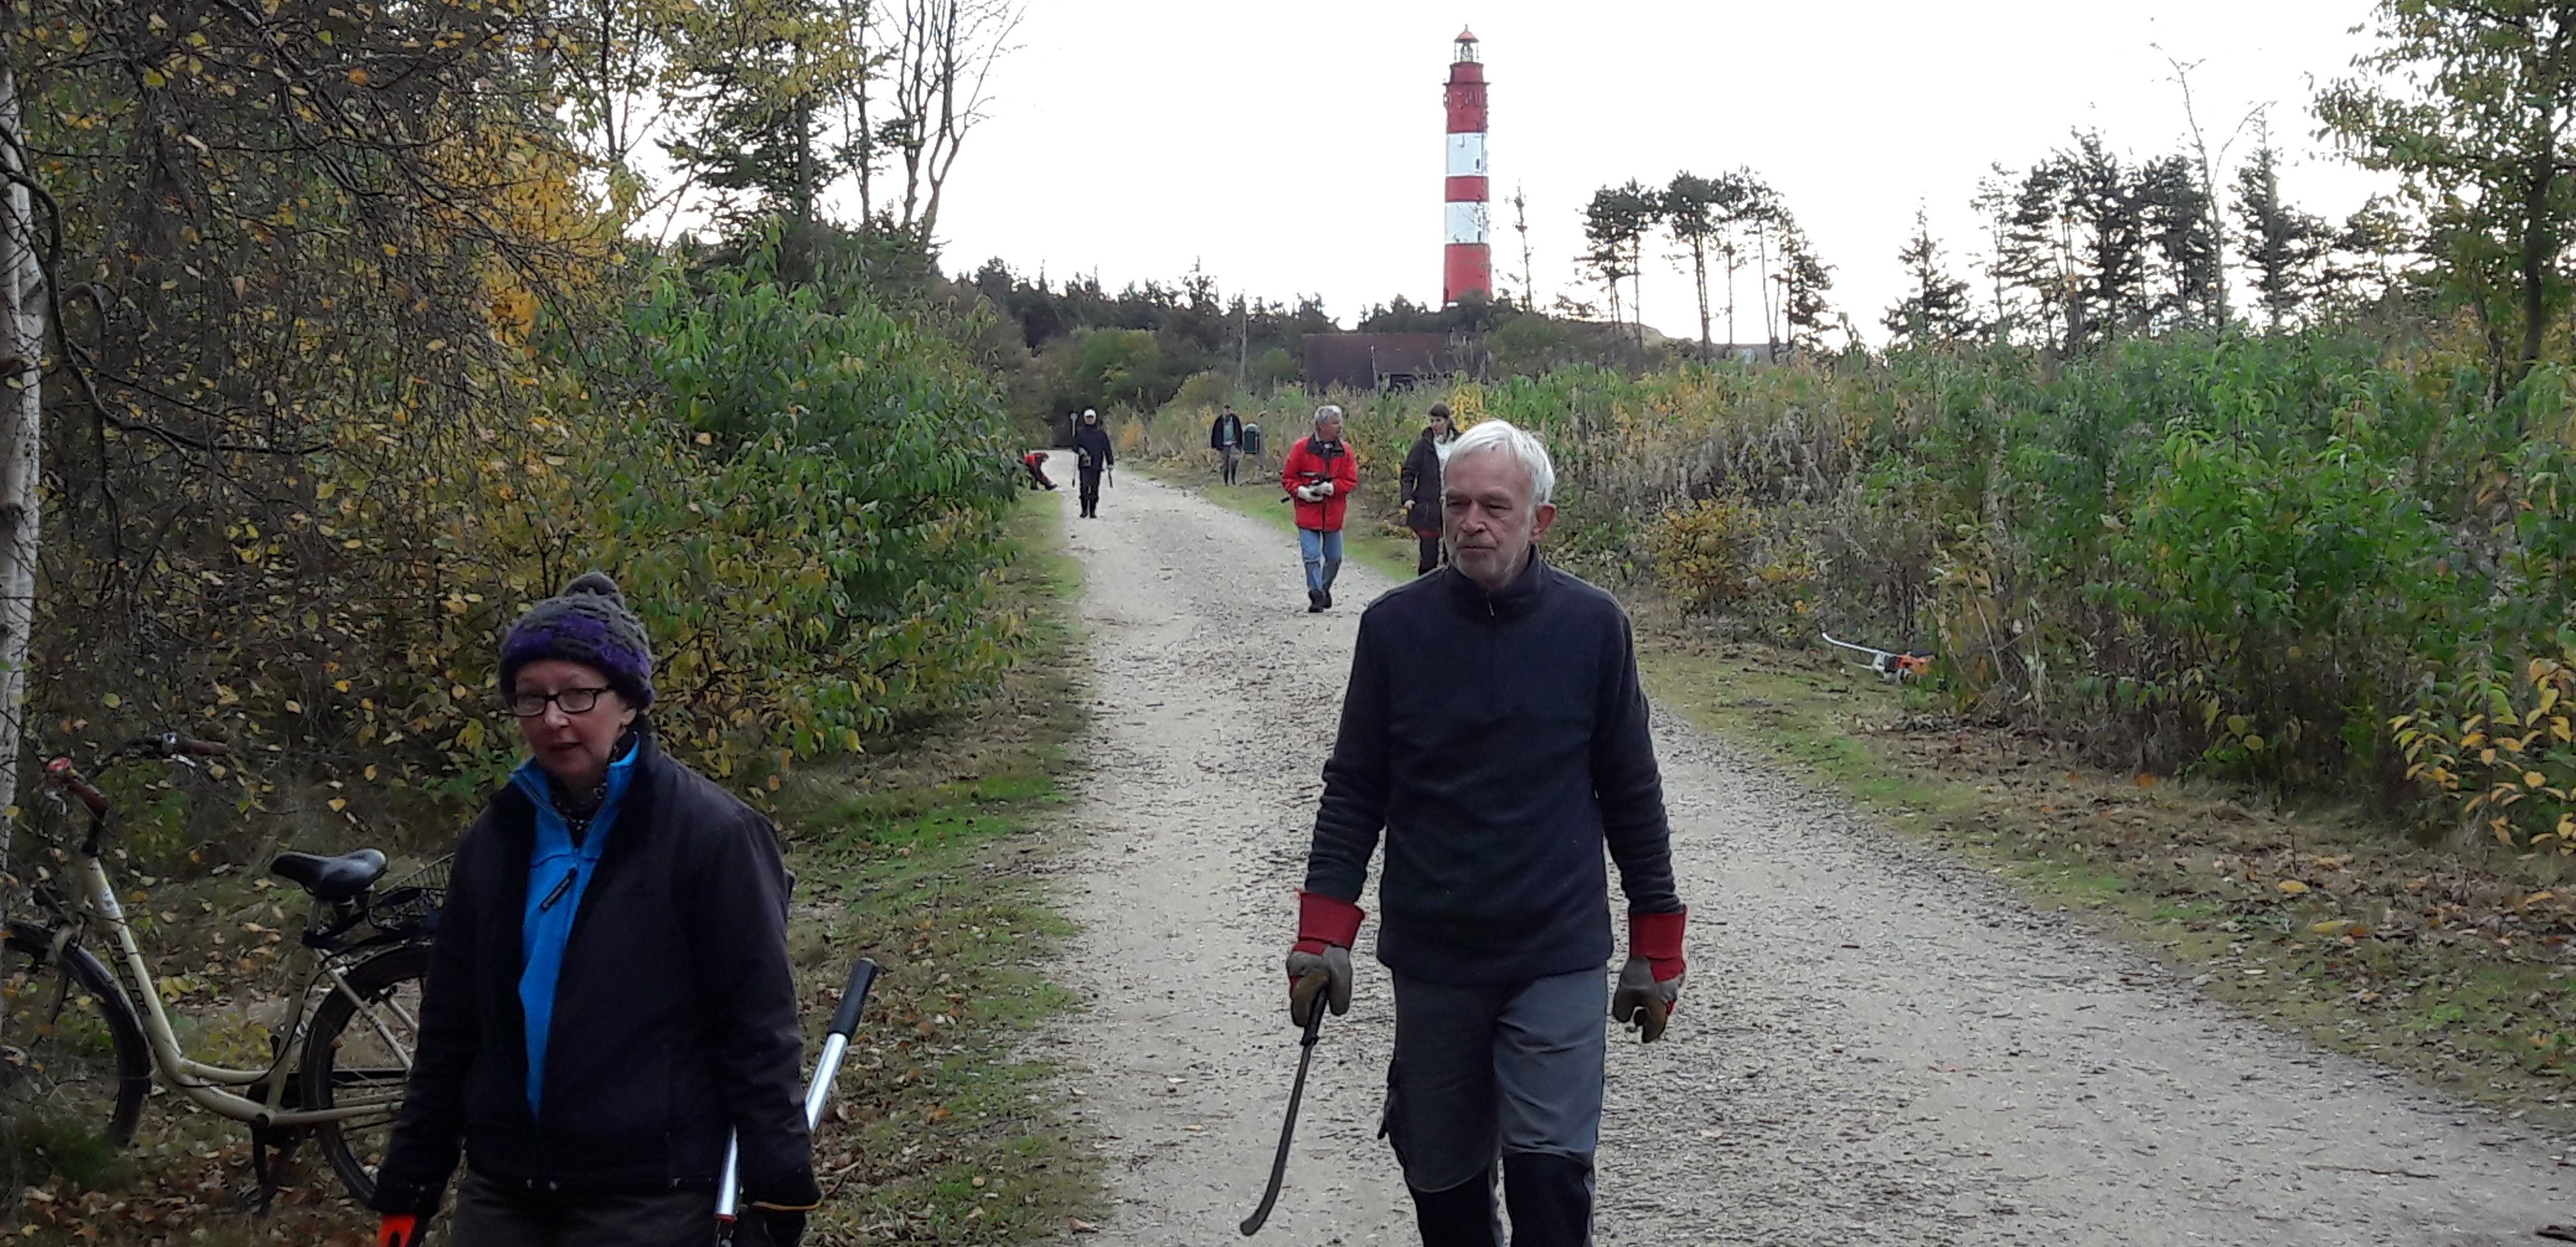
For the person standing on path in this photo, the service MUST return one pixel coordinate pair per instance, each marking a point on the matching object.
(609, 994)
(1421, 487)
(1320, 474)
(1225, 437)
(1093, 457)
(1521, 680)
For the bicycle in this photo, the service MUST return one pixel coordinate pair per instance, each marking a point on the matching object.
(79, 1048)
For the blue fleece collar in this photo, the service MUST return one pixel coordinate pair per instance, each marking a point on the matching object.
(558, 873)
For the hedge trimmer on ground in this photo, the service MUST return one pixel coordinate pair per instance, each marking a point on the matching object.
(1904, 667)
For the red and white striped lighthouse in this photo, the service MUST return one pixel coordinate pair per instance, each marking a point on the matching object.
(1468, 264)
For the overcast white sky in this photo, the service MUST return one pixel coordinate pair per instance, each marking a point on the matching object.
(1298, 148)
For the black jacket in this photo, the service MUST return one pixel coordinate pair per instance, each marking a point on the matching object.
(1227, 431)
(1501, 742)
(674, 1019)
(1420, 482)
(1091, 447)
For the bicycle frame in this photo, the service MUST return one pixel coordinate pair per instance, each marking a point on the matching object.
(257, 1097)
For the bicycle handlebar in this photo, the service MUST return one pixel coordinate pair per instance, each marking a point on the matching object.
(165, 745)
(171, 745)
(60, 771)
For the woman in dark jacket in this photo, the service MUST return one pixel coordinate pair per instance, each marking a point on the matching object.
(609, 993)
(1421, 488)
(1092, 456)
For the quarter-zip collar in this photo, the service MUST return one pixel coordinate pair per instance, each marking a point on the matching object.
(1512, 601)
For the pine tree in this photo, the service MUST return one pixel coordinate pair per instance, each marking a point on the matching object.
(1803, 278)
(2285, 246)
(1935, 307)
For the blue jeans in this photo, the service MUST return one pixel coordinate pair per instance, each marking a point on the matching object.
(1323, 554)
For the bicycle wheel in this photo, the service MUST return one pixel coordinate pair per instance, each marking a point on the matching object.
(359, 1053)
(73, 1066)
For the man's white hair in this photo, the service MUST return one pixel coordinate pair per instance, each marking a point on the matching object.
(1325, 413)
(1504, 437)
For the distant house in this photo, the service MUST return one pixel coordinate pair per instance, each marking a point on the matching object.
(1380, 361)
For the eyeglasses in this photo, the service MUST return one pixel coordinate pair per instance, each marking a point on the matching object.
(570, 701)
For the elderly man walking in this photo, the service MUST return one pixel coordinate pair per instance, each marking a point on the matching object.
(1320, 474)
(1521, 681)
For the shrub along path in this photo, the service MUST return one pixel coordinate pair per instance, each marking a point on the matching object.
(1881, 1042)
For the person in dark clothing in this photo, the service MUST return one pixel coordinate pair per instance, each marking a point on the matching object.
(1420, 483)
(609, 993)
(1093, 458)
(1497, 921)
(1035, 463)
(1225, 437)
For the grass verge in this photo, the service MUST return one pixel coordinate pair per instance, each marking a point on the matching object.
(925, 859)
(2444, 961)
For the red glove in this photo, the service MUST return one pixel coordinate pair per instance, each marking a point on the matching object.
(1650, 985)
(400, 1229)
(1319, 963)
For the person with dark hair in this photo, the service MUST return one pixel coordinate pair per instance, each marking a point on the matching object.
(1092, 458)
(1522, 681)
(1225, 437)
(609, 995)
(1421, 488)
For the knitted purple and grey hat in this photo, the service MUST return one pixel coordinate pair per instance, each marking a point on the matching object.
(587, 623)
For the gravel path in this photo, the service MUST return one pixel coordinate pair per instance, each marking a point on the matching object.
(1877, 1044)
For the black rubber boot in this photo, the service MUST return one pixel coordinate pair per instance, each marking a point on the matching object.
(1314, 602)
(1462, 1216)
(1551, 1199)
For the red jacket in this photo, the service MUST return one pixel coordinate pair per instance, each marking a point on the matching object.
(1305, 466)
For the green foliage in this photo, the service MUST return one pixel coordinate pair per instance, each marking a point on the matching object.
(2469, 103)
(1723, 555)
(2239, 555)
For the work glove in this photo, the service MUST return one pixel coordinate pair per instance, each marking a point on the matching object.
(1325, 489)
(1306, 493)
(1319, 963)
(761, 1225)
(401, 1229)
(1650, 985)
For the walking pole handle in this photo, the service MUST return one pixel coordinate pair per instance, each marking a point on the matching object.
(836, 1044)
(854, 997)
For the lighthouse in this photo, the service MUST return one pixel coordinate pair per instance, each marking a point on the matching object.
(1468, 260)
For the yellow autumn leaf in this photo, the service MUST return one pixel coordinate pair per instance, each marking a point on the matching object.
(338, 804)
(2292, 887)
(2534, 779)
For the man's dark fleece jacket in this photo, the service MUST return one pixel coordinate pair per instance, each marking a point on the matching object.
(1501, 741)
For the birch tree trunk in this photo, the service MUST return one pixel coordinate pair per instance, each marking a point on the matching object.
(22, 286)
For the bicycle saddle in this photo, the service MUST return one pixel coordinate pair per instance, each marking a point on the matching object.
(332, 879)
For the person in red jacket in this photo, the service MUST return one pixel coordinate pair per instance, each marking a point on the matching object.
(1319, 474)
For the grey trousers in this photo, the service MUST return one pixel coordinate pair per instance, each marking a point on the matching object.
(1506, 1072)
(491, 1215)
